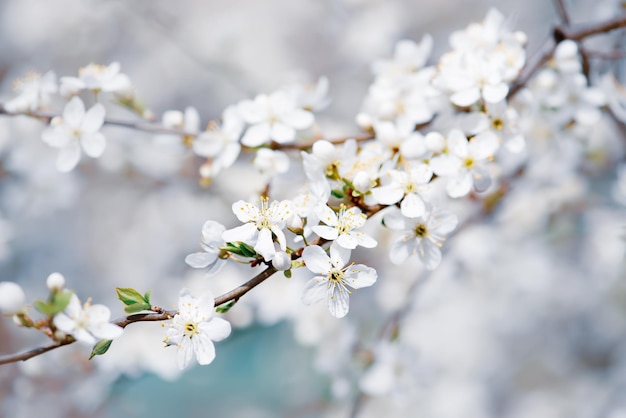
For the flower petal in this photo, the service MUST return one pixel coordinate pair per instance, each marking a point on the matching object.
(93, 144)
(316, 259)
(314, 291)
(68, 157)
(216, 329)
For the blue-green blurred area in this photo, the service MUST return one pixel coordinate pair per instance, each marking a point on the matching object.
(259, 372)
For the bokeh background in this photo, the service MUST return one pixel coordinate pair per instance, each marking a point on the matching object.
(527, 319)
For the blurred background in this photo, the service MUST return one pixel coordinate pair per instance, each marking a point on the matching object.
(525, 317)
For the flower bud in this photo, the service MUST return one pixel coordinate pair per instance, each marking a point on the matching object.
(281, 261)
(55, 281)
(12, 297)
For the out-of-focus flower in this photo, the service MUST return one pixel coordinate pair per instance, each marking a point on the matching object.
(95, 77)
(87, 324)
(35, 91)
(220, 143)
(423, 236)
(311, 97)
(74, 130)
(211, 241)
(335, 278)
(194, 328)
(273, 118)
(55, 281)
(12, 298)
(271, 162)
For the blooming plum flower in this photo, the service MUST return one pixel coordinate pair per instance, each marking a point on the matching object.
(87, 324)
(95, 77)
(335, 278)
(74, 130)
(12, 297)
(194, 328)
(422, 236)
(35, 90)
(273, 118)
(260, 224)
(211, 241)
(406, 185)
(340, 227)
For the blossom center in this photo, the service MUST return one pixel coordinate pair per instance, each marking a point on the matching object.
(191, 329)
(335, 276)
(468, 163)
(420, 231)
(497, 124)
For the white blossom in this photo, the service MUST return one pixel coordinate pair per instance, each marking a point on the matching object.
(194, 328)
(55, 281)
(335, 278)
(220, 143)
(271, 162)
(341, 227)
(75, 130)
(35, 90)
(273, 118)
(87, 324)
(422, 236)
(211, 241)
(260, 224)
(95, 77)
(406, 185)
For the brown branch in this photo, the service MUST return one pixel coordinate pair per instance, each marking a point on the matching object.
(562, 11)
(138, 125)
(159, 315)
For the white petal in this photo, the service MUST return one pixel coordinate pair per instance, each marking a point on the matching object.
(483, 145)
(495, 93)
(394, 219)
(445, 165)
(200, 260)
(185, 353)
(245, 233)
(460, 185)
(339, 256)
(212, 233)
(442, 222)
(265, 244)
(466, 98)
(412, 206)
(481, 178)
(107, 331)
(347, 241)
(327, 215)
(68, 157)
(204, 349)
(316, 259)
(361, 276)
(73, 112)
(245, 212)
(429, 253)
(326, 232)
(298, 118)
(256, 135)
(93, 120)
(314, 291)
(216, 329)
(401, 249)
(339, 302)
(387, 195)
(282, 133)
(364, 240)
(93, 144)
(64, 323)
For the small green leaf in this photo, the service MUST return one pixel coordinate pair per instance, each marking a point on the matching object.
(225, 307)
(247, 250)
(232, 249)
(57, 303)
(337, 193)
(287, 274)
(100, 348)
(60, 300)
(137, 307)
(129, 296)
(146, 296)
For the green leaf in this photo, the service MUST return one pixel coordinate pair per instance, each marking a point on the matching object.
(223, 308)
(129, 296)
(287, 274)
(337, 193)
(137, 307)
(247, 250)
(57, 303)
(146, 296)
(100, 348)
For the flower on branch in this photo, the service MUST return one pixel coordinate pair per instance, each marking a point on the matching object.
(273, 118)
(336, 277)
(74, 130)
(340, 227)
(35, 90)
(423, 236)
(87, 324)
(211, 241)
(261, 226)
(194, 328)
(95, 77)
